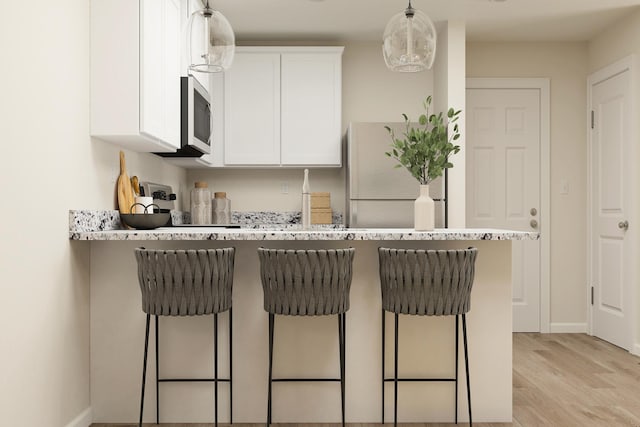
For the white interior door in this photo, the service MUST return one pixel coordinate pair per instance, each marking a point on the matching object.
(503, 143)
(612, 193)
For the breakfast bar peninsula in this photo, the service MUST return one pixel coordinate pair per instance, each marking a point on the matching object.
(309, 344)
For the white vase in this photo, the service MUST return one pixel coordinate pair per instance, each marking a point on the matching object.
(423, 218)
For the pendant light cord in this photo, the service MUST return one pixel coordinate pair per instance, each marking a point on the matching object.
(409, 11)
(207, 9)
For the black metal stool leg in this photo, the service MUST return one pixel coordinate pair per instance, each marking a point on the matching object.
(395, 376)
(344, 366)
(230, 368)
(215, 368)
(157, 373)
(383, 334)
(344, 361)
(271, 327)
(457, 339)
(466, 365)
(144, 368)
(341, 343)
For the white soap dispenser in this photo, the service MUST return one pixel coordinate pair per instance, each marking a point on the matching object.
(306, 202)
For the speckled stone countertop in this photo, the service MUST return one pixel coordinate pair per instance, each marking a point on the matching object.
(106, 227)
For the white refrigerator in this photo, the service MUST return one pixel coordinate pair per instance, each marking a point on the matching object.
(379, 195)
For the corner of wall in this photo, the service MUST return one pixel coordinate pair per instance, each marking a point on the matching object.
(84, 419)
(450, 91)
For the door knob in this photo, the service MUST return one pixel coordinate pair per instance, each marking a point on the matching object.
(533, 223)
(623, 225)
(533, 212)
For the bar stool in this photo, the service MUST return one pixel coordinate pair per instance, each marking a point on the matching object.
(306, 283)
(186, 283)
(426, 283)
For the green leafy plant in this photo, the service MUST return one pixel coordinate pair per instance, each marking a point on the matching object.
(425, 150)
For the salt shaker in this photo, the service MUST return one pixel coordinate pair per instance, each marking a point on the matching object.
(200, 204)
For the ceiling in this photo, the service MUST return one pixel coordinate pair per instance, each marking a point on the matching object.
(364, 20)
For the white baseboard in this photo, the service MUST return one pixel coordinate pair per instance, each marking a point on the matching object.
(568, 328)
(636, 349)
(83, 420)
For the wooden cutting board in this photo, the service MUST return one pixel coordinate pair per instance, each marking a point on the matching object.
(125, 191)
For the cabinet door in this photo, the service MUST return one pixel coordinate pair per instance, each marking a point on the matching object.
(171, 77)
(160, 71)
(151, 68)
(252, 110)
(311, 109)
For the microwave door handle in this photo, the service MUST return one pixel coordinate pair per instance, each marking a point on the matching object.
(210, 124)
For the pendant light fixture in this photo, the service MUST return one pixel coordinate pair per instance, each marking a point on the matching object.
(409, 42)
(216, 53)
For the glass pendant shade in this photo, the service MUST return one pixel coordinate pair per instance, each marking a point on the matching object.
(409, 42)
(211, 42)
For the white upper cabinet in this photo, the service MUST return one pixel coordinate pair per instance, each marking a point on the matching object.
(310, 108)
(252, 109)
(135, 73)
(283, 107)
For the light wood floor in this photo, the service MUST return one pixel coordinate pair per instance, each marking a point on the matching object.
(559, 380)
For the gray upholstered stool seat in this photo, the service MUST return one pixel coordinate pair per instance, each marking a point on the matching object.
(426, 283)
(306, 283)
(186, 283)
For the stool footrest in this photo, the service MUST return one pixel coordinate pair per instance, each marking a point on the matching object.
(421, 379)
(188, 380)
(281, 380)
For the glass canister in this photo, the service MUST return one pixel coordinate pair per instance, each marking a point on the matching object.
(200, 204)
(221, 208)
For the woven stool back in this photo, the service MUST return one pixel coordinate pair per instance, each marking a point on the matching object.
(306, 282)
(185, 282)
(427, 282)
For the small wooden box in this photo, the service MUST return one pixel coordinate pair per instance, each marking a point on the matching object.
(321, 216)
(321, 200)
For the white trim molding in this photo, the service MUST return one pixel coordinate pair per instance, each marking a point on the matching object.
(636, 349)
(544, 85)
(568, 328)
(84, 419)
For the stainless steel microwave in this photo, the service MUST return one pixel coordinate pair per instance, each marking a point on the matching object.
(195, 120)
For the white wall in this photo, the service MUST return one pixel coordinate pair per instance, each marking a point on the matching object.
(620, 40)
(370, 92)
(450, 92)
(50, 166)
(566, 65)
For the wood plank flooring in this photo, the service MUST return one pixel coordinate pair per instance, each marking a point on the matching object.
(559, 380)
(573, 380)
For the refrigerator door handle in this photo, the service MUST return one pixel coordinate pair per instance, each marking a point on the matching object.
(354, 214)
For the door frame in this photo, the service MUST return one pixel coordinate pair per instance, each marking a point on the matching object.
(627, 63)
(543, 85)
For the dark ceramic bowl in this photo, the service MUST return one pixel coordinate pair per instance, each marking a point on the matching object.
(146, 221)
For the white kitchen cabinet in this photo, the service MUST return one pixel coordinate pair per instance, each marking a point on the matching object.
(252, 109)
(283, 107)
(311, 119)
(135, 73)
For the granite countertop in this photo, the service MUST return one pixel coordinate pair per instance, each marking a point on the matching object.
(105, 225)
